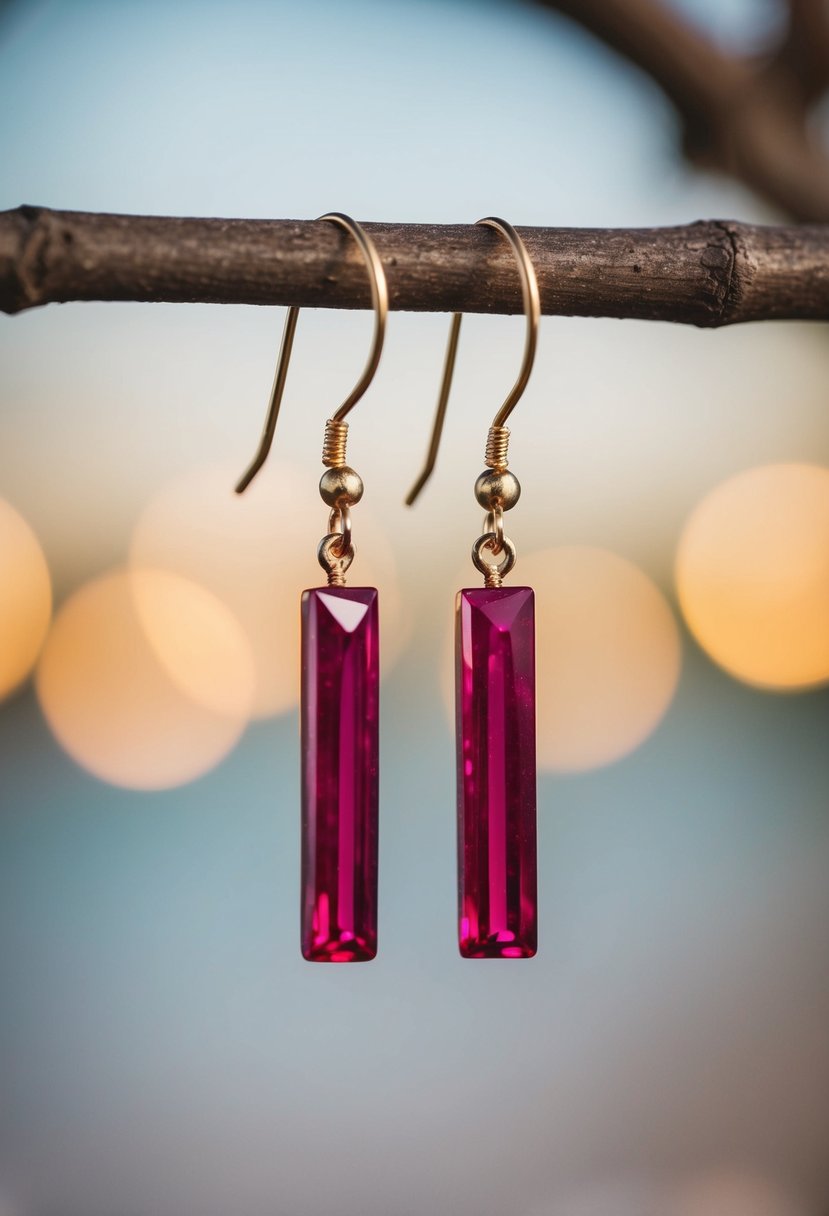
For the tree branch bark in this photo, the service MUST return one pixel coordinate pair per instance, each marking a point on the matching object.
(803, 55)
(707, 274)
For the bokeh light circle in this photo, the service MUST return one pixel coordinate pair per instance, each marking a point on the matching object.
(25, 598)
(141, 713)
(256, 552)
(752, 575)
(608, 655)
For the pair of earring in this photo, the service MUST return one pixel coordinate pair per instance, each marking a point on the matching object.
(495, 685)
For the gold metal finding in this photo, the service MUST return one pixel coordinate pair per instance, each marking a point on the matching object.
(497, 448)
(498, 438)
(336, 428)
(334, 560)
(494, 487)
(493, 572)
(339, 525)
(440, 413)
(334, 443)
(341, 484)
(494, 526)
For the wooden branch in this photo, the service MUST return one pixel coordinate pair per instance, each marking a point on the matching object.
(803, 55)
(748, 118)
(708, 274)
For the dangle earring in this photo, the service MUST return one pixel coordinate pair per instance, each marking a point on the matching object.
(340, 678)
(495, 688)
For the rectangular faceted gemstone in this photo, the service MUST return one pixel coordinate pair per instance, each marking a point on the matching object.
(495, 702)
(339, 713)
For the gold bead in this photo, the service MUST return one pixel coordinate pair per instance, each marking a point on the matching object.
(341, 485)
(497, 489)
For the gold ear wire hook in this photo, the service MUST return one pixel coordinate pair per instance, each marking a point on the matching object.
(380, 304)
(498, 434)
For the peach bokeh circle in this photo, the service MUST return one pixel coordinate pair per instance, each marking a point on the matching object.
(752, 575)
(145, 711)
(25, 599)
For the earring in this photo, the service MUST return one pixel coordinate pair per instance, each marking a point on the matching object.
(495, 688)
(340, 678)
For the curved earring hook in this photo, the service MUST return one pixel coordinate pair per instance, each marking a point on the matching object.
(532, 311)
(380, 304)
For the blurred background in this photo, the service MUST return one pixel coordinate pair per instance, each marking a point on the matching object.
(163, 1047)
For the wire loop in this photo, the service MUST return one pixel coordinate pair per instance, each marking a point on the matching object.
(493, 572)
(494, 526)
(339, 524)
(334, 561)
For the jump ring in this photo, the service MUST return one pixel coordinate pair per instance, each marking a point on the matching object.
(486, 542)
(329, 557)
(494, 523)
(339, 524)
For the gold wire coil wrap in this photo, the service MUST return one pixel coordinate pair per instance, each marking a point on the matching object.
(334, 443)
(497, 448)
(336, 576)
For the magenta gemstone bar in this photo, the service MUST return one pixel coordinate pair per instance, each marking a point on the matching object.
(340, 678)
(495, 700)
